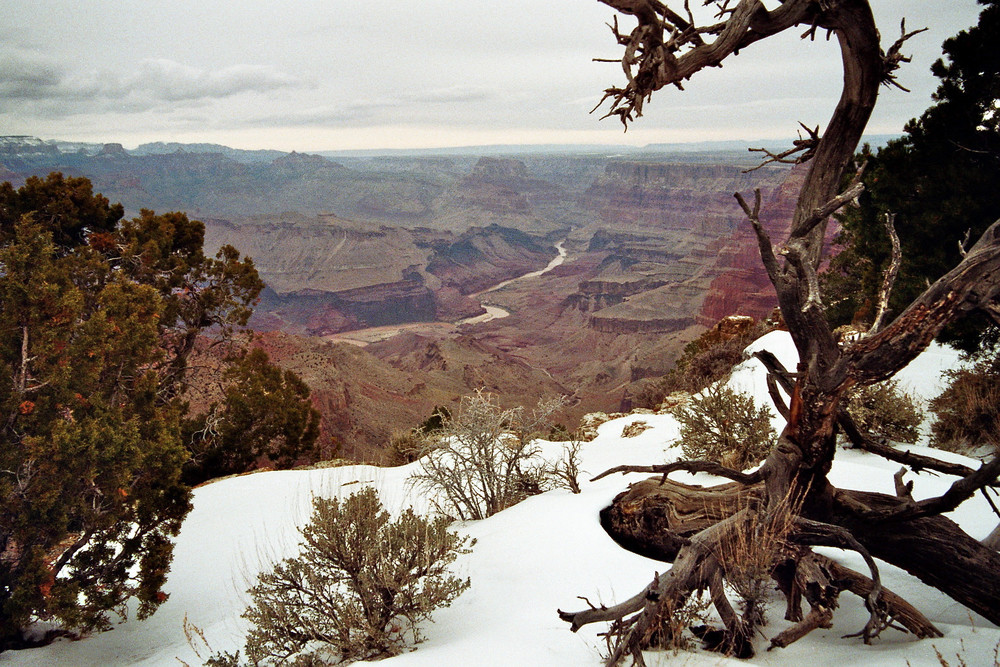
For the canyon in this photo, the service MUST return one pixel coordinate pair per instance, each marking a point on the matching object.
(398, 283)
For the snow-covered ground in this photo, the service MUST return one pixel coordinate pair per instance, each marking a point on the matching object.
(528, 561)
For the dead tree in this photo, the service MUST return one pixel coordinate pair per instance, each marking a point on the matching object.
(694, 527)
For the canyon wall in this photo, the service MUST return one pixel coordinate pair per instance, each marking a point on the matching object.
(677, 248)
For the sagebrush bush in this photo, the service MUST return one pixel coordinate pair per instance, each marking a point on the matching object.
(724, 426)
(968, 411)
(405, 447)
(884, 409)
(485, 460)
(358, 588)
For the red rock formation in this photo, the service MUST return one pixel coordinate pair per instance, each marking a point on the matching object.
(677, 248)
(742, 286)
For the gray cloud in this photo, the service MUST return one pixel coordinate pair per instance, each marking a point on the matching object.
(31, 78)
(171, 81)
(27, 76)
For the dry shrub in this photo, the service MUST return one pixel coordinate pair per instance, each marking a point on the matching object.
(405, 447)
(565, 472)
(968, 410)
(485, 460)
(884, 409)
(960, 658)
(749, 557)
(674, 624)
(358, 589)
(408, 446)
(724, 426)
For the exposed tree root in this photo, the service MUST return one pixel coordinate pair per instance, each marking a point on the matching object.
(818, 617)
(716, 535)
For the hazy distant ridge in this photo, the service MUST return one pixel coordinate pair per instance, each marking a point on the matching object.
(16, 143)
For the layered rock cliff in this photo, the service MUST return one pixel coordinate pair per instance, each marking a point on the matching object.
(675, 246)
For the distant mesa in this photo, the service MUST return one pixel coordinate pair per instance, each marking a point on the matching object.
(113, 150)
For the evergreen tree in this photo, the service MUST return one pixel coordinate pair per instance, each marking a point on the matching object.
(98, 319)
(266, 414)
(940, 181)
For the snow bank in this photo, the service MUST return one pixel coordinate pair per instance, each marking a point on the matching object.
(528, 561)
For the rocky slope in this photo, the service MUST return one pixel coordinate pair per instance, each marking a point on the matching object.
(366, 399)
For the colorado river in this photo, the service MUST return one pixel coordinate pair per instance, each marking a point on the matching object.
(492, 313)
(556, 261)
(363, 337)
(495, 312)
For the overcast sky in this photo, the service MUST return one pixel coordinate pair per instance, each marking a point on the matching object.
(314, 75)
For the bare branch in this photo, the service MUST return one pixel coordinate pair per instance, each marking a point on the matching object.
(777, 369)
(763, 240)
(692, 569)
(899, 609)
(808, 145)
(915, 462)
(972, 285)
(890, 275)
(667, 49)
(823, 534)
(776, 398)
(600, 614)
(989, 501)
(709, 467)
(818, 617)
(892, 59)
(957, 493)
(822, 213)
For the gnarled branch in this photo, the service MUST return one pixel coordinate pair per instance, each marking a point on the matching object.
(805, 146)
(665, 469)
(890, 274)
(960, 491)
(822, 213)
(667, 49)
(893, 57)
(767, 255)
(822, 534)
(972, 285)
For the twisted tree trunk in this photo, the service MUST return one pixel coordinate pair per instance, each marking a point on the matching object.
(789, 501)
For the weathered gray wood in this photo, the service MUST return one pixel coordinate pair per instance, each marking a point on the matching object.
(687, 525)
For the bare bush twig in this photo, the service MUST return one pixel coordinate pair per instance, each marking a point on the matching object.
(485, 459)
